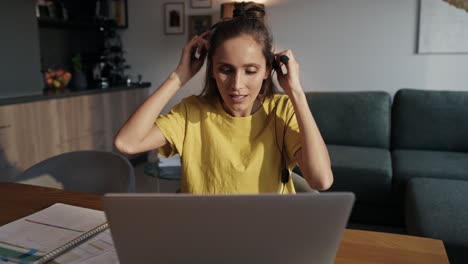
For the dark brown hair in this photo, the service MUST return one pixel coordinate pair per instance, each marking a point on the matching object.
(248, 19)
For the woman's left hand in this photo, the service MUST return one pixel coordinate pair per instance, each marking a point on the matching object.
(289, 81)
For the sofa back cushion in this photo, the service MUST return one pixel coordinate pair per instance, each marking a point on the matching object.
(352, 118)
(430, 120)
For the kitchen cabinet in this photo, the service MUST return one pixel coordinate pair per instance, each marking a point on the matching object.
(33, 131)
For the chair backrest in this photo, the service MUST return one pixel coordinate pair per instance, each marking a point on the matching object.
(90, 171)
(301, 185)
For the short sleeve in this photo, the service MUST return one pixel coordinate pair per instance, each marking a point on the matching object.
(173, 126)
(292, 136)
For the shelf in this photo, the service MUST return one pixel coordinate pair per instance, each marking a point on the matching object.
(65, 24)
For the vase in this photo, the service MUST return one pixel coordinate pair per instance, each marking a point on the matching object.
(79, 80)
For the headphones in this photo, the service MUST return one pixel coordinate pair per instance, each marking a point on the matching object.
(281, 67)
(285, 174)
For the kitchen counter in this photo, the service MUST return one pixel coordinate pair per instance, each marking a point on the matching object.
(41, 97)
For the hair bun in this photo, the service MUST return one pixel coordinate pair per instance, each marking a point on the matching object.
(249, 10)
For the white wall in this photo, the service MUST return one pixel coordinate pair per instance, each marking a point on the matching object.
(153, 54)
(341, 45)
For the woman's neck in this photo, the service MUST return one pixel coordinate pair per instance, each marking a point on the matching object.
(255, 107)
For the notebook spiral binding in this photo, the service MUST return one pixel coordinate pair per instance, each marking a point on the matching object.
(75, 242)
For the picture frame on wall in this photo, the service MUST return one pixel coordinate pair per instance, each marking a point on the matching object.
(443, 29)
(198, 25)
(200, 3)
(174, 18)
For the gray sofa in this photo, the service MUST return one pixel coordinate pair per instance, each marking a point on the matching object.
(356, 128)
(429, 136)
(377, 147)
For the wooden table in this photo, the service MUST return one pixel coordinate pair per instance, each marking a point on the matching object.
(19, 200)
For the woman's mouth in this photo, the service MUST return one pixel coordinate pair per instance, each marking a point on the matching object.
(237, 99)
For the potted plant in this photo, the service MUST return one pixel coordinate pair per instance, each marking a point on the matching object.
(79, 78)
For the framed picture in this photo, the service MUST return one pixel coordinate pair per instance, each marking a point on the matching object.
(443, 28)
(200, 3)
(198, 25)
(174, 18)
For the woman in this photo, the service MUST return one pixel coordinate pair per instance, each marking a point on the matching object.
(239, 134)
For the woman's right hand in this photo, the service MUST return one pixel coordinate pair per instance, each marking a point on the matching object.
(189, 64)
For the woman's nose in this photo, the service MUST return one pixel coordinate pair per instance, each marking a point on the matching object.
(237, 81)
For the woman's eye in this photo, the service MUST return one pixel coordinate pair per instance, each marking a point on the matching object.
(225, 70)
(251, 70)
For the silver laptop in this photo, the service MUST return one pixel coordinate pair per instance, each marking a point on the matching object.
(266, 228)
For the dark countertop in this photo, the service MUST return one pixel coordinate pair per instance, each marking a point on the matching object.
(41, 97)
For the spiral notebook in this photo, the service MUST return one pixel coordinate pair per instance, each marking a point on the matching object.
(44, 235)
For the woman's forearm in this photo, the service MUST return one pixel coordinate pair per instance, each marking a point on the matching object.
(132, 135)
(313, 158)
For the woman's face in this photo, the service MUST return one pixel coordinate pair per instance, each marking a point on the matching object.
(239, 69)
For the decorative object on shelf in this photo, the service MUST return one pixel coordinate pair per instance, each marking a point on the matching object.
(463, 4)
(116, 10)
(200, 3)
(82, 14)
(53, 9)
(79, 10)
(443, 28)
(198, 25)
(174, 18)
(109, 69)
(80, 81)
(56, 81)
(227, 9)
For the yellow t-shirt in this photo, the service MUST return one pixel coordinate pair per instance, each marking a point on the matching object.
(223, 154)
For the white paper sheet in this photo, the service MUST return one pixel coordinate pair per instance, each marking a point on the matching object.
(99, 249)
(49, 229)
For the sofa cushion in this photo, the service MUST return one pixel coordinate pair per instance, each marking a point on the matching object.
(365, 171)
(352, 118)
(438, 208)
(430, 120)
(409, 164)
